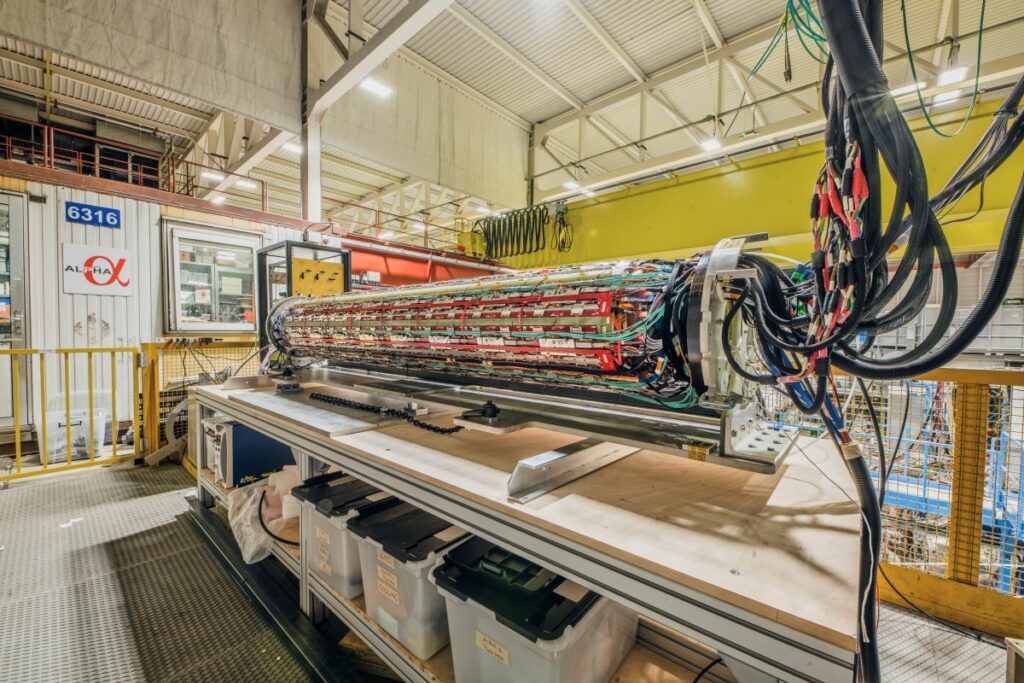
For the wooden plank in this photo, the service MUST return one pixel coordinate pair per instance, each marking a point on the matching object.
(729, 533)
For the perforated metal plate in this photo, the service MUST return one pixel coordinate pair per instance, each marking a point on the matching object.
(101, 580)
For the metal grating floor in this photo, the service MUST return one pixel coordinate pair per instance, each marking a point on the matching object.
(915, 649)
(101, 579)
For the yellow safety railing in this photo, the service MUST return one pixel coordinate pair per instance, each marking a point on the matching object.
(36, 360)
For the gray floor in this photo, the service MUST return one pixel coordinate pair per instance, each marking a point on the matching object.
(102, 580)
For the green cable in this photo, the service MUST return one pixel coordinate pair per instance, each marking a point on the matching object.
(913, 71)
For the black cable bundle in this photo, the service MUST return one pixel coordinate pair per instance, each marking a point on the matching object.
(562, 230)
(829, 311)
(514, 233)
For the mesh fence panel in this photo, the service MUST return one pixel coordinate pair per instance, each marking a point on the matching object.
(925, 482)
(193, 364)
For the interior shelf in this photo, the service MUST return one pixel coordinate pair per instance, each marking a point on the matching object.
(642, 665)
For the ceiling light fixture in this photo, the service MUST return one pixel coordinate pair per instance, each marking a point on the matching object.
(387, 234)
(483, 209)
(212, 175)
(711, 145)
(588, 193)
(292, 147)
(419, 226)
(571, 185)
(219, 199)
(376, 87)
(946, 97)
(907, 89)
(245, 184)
(953, 74)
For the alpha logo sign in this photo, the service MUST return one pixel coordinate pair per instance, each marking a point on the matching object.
(96, 270)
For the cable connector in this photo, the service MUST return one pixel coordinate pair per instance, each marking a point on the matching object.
(818, 259)
(857, 248)
(851, 450)
(822, 366)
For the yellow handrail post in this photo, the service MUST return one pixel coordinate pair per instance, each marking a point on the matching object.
(92, 419)
(970, 435)
(151, 396)
(113, 405)
(67, 401)
(135, 404)
(17, 411)
(44, 453)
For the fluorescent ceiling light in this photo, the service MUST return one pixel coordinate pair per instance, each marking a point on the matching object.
(376, 87)
(292, 147)
(419, 226)
(946, 97)
(907, 89)
(483, 209)
(588, 193)
(571, 185)
(245, 184)
(387, 234)
(219, 199)
(212, 175)
(711, 144)
(953, 74)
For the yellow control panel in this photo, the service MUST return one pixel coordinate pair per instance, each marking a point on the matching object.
(317, 278)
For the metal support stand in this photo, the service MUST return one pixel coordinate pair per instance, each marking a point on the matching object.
(545, 472)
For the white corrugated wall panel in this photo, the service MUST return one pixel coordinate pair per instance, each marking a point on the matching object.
(59, 320)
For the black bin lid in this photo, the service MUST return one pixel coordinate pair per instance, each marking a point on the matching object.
(336, 494)
(534, 602)
(407, 533)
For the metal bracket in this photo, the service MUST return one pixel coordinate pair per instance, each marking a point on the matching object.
(545, 472)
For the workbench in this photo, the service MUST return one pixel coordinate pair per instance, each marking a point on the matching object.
(760, 569)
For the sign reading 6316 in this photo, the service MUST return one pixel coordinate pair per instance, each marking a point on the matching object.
(99, 216)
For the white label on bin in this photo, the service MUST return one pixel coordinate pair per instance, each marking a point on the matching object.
(385, 559)
(324, 537)
(450, 534)
(571, 591)
(324, 567)
(387, 577)
(380, 495)
(387, 622)
(492, 648)
(388, 592)
(323, 552)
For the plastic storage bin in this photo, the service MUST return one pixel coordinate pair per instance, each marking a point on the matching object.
(333, 499)
(512, 620)
(398, 546)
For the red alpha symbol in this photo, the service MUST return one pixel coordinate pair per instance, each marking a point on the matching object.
(113, 271)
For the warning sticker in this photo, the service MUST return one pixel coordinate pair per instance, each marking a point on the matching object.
(387, 577)
(492, 648)
(385, 559)
(389, 592)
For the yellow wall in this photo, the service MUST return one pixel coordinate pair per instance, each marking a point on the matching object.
(770, 193)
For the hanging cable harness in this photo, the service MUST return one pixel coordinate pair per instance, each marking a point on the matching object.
(829, 312)
(514, 233)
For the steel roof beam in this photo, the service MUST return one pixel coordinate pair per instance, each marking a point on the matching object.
(406, 23)
(658, 79)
